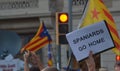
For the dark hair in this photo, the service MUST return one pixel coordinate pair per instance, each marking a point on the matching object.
(50, 69)
(117, 63)
(34, 69)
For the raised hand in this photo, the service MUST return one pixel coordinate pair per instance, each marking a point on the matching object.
(36, 60)
(26, 55)
(90, 62)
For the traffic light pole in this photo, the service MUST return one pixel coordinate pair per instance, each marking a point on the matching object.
(58, 45)
(59, 57)
(61, 31)
(70, 30)
(70, 15)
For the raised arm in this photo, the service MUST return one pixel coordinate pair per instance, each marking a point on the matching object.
(90, 62)
(26, 66)
(38, 61)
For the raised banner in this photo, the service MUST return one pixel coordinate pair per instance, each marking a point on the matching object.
(11, 65)
(95, 37)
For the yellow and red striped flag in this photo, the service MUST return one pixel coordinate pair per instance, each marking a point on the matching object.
(41, 39)
(96, 11)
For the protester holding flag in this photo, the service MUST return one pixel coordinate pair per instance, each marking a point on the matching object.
(34, 60)
(37, 65)
(41, 39)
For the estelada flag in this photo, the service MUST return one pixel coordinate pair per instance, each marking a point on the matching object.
(95, 11)
(41, 39)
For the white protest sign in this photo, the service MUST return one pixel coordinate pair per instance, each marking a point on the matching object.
(9, 65)
(94, 38)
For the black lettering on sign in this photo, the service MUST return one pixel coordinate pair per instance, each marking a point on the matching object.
(76, 41)
(88, 36)
(101, 40)
(7, 69)
(82, 48)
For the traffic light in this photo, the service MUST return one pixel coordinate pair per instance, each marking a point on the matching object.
(63, 18)
(117, 57)
(62, 27)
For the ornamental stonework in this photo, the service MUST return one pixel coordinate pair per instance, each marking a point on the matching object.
(18, 4)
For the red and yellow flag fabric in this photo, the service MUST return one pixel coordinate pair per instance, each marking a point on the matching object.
(96, 11)
(41, 39)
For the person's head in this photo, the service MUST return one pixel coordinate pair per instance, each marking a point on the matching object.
(33, 61)
(50, 69)
(103, 69)
(34, 69)
(34, 58)
(117, 66)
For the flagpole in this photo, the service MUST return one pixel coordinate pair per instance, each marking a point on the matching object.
(70, 30)
(58, 46)
(85, 6)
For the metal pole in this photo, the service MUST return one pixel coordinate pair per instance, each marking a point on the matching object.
(58, 45)
(70, 24)
(59, 57)
(70, 15)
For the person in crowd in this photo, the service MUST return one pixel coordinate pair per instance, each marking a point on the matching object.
(35, 61)
(90, 62)
(117, 66)
(103, 69)
(38, 66)
(50, 69)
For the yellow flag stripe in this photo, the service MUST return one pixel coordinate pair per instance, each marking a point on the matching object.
(116, 51)
(33, 42)
(101, 13)
(115, 38)
(38, 32)
(37, 43)
(37, 48)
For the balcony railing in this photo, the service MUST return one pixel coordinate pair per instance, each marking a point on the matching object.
(18, 4)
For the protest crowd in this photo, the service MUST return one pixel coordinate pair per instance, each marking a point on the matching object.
(95, 34)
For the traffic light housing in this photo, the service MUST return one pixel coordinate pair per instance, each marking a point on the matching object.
(62, 27)
(117, 57)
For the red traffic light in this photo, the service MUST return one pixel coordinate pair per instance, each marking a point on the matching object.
(63, 17)
(117, 58)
